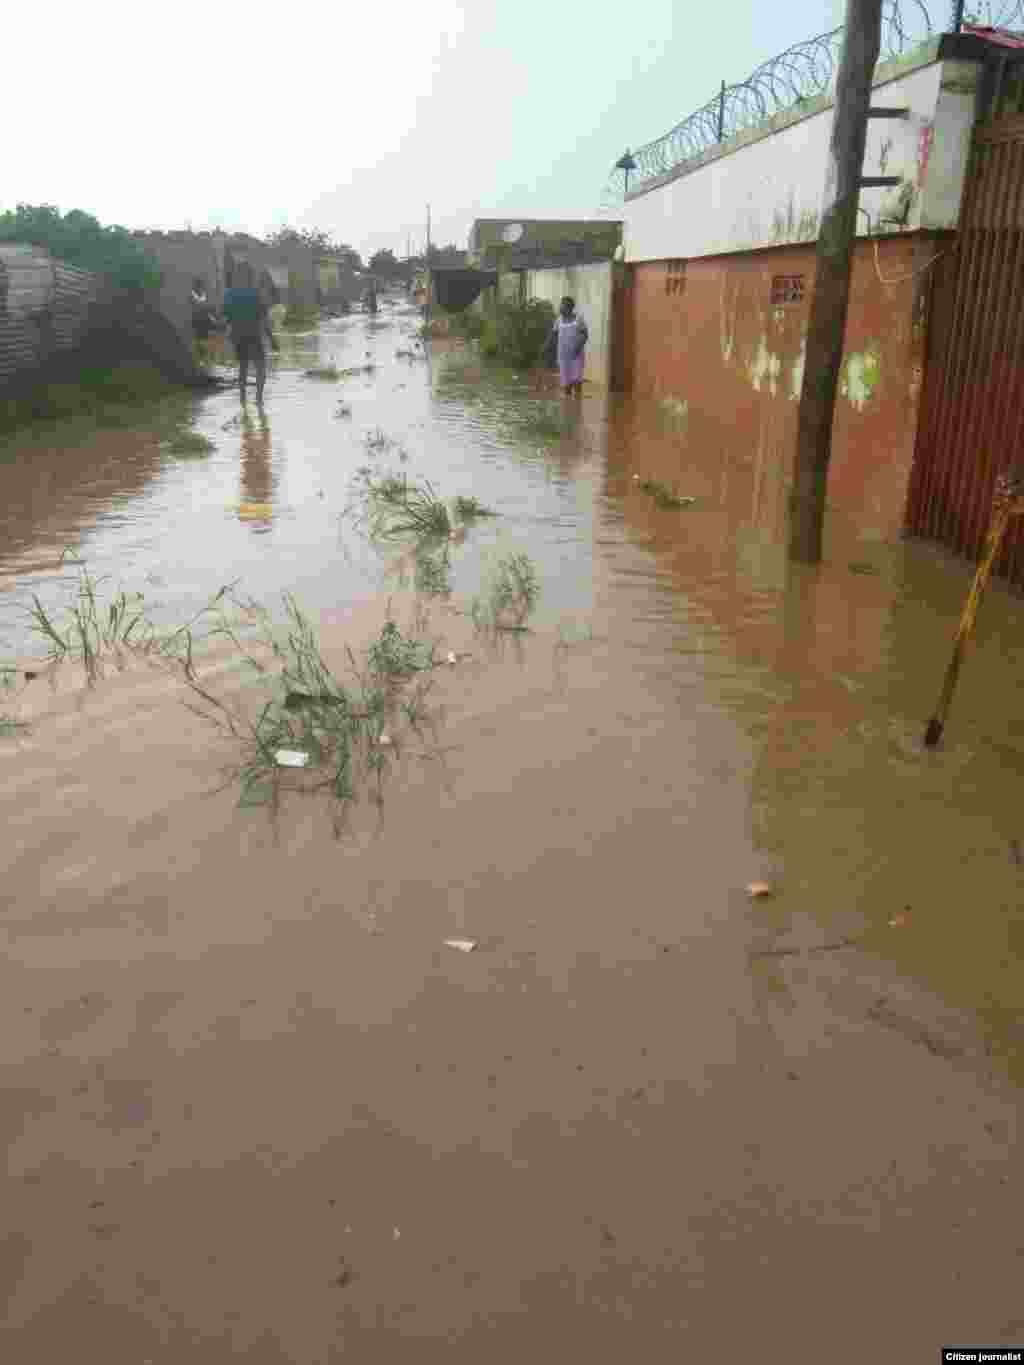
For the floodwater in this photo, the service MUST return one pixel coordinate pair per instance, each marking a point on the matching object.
(254, 1108)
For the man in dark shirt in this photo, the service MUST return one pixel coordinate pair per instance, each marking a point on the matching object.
(246, 313)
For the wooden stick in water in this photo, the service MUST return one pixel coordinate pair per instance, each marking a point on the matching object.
(1006, 504)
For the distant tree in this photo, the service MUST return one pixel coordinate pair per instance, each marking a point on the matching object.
(386, 265)
(318, 241)
(80, 239)
(349, 256)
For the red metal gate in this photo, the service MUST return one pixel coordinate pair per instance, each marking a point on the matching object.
(972, 428)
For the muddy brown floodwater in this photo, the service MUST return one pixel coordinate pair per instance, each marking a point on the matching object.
(254, 1108)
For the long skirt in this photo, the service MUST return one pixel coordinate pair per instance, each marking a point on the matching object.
(570, 365)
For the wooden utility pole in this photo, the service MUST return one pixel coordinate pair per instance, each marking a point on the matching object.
(827, 326)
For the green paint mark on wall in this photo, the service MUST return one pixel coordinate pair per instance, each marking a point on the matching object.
(861, 375)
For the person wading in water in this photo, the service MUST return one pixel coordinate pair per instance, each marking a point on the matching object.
(565, 345)
(246, 314)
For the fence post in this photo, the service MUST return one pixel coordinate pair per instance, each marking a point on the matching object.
(826, 326)
(721, 104)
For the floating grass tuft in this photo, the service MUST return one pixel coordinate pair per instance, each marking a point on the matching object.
(510, 592)
(468, 509)
(347, 733)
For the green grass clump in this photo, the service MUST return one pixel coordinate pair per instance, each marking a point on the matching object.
(467, 509)
(111, 396)
(347, 732)
(11, 728)
(510, 593)
(663, 495)
(515, 333)
(90, 630)
(432, 572)
(542, 423)
(392, 488)
(353, 370)
(394, 655)
(468, 324)
(392, 507)
(300, 319)
(323, 372)
(191, 443)
(418, 512)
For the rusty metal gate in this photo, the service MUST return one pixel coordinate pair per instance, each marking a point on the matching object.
(972, 428)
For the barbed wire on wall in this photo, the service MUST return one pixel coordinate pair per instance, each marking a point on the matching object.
(793, 79)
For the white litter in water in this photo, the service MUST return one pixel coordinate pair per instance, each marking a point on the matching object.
(461, 945)
(384, 739)
(451, 658)
(291, 758)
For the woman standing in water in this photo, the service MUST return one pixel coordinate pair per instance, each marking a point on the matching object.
(566, 343)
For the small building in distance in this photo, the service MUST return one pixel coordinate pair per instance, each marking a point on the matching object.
(532, 243)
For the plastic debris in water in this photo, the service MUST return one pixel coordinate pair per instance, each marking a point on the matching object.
(451, 658)
(756, 889)
(384, 739)
(291, 758)
(461, 945)
(255, 509)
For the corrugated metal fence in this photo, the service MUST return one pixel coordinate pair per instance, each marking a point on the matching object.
(44, 308)
(973, 427)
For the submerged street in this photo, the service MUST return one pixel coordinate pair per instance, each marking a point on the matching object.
(255, 1107)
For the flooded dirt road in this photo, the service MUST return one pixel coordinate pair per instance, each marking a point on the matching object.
(255, 1108)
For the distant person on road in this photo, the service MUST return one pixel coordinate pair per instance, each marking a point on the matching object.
(203, 320)
(565, 346)
(245, 311)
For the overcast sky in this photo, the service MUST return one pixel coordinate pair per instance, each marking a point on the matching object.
(352, 118)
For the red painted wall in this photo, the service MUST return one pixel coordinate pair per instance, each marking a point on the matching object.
(706, 332)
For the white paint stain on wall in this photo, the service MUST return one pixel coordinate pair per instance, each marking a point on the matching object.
(796, 376)
(765, 368)
(727, 319)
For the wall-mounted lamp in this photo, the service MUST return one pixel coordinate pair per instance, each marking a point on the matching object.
(625, 164)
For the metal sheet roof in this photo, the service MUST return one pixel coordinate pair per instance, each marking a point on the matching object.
(1001, 37)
